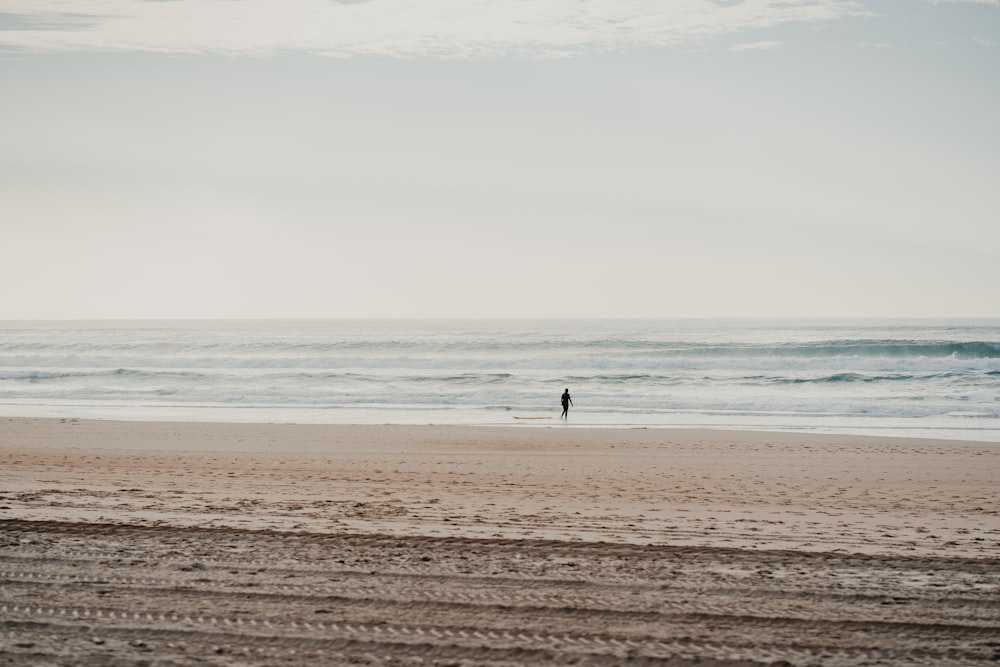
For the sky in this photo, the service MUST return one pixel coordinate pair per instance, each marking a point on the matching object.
(518, 158)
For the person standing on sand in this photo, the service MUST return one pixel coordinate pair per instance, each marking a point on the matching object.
(566, 402)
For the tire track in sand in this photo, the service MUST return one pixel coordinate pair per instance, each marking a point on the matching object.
(119, 595)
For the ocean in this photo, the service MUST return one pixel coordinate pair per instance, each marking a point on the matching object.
(932, 378)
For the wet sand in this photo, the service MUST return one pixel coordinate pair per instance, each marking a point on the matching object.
(170, 543)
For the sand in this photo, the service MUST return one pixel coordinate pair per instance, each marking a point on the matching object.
(231, 544)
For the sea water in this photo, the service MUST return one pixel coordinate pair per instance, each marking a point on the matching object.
(932, 378)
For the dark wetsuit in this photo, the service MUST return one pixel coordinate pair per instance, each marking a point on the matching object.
(566, 402)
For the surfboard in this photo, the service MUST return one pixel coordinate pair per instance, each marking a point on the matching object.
(532, 417)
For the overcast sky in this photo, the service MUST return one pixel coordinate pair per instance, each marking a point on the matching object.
(518, 158)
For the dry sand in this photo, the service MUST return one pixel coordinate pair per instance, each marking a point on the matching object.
(173, 544)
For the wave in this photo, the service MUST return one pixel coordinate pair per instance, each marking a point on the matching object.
(622, 353)
(861, 377)
(463, 378)
(43, 375)
(906, 348)
(861, 348)
(791, 378)
(625, 378)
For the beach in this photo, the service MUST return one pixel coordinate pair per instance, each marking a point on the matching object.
(182, 543)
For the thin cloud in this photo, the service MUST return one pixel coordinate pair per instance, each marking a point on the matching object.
(399, 28)
(10, 21)
(995, 3)
(770, 45)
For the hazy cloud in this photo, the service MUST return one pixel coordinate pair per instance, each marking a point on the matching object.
(448, 28)
(46, 21)
(769, 45)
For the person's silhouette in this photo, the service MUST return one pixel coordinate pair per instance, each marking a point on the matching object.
(566, 402)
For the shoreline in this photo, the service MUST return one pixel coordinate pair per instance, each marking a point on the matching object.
(525, 424)
(578, 421)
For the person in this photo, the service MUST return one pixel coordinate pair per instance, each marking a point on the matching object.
(566, 402)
